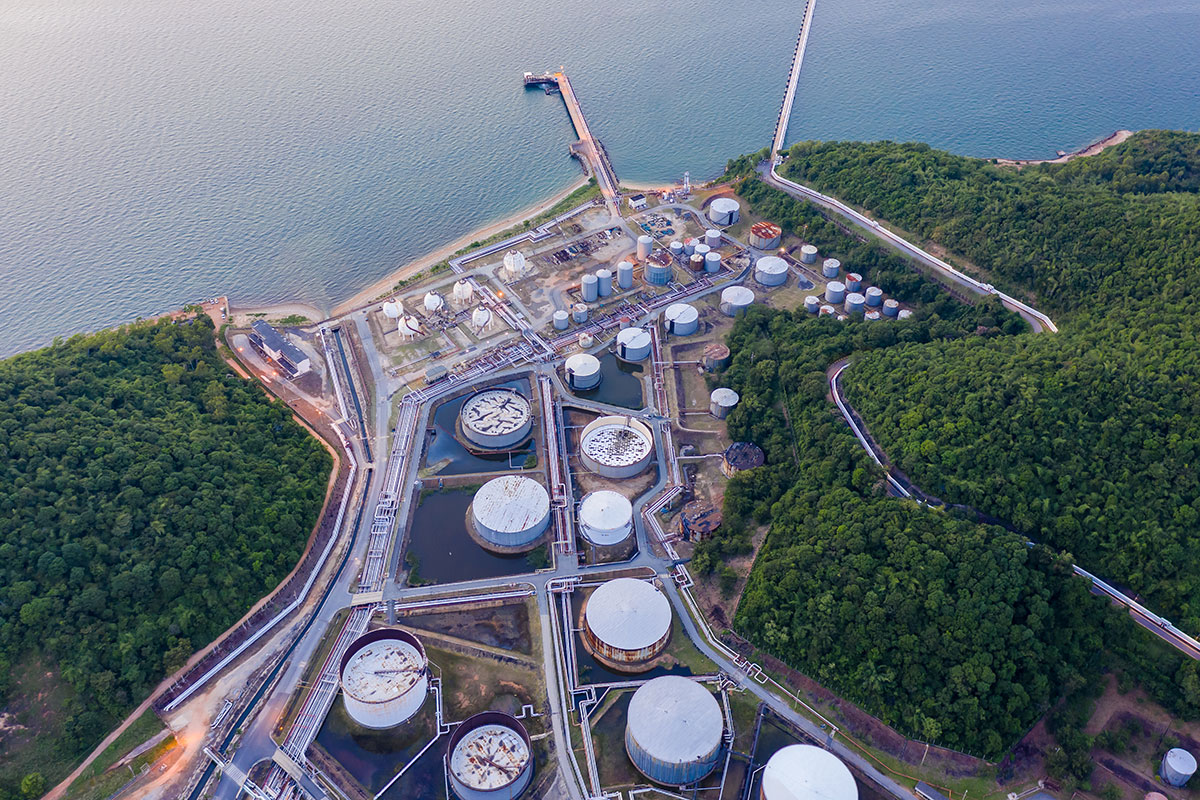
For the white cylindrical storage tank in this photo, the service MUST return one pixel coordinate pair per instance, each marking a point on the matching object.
(433, 302)
(853, 282)
(583, 370)
(703, 249)
(385, 677)
(891, 308)
(724, 211)
(771, 271)
(514, 265)
(562, 320)
(682, 319)
(589, 288)
(674, 730)
(712, 238)
(509, 514)
(874, 296)
(1178, 765)
(463, 292)
(579, 312)
(812, 303)
(904, 314)
(831, 267)
(644, 245)
(496, 419)
(489, 757)
(616, 446)
(855, 303)
(722, 401)
(392, 309)
(657, 271)
(835, 292)
(633, 344)
(604, 282)
(481, 318)
(808, 254)
(826, 310)
(605, 518)
(765, 235)
(804, 772)
(677, 250)
(871, 315)
(626, 623)
(625, 274)
(735, 300)
(696, 262)
(689, 245)
(712, 262)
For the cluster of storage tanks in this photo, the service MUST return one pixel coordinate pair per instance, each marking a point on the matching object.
(848, 295)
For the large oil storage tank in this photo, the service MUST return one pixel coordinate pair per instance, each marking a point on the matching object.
(891, 308)
(808, 254)
(830, 267)
(853, 282)
(771, 271)
(616, 446)
(712, 238)
(509, 514)
(673, 731)
(1178, 766)
(874, 296)
(626, 624)
(633, 344)
(605, 517)
(812, 303)
(604, 281)
(716, 356)
(741, 456)
(682, 319)
(855, 303)
(490, 757)
(724, 211)
(589, 288)
(835, 292)
(385, 677)
(804, 772)
(722, 401)
(735, 300)
(514, 265)
(644, 245)
(765, 235)
(562, 320)
(625, 275)
(496, 419)
(657, 271)
(582, 371)
(712, 262)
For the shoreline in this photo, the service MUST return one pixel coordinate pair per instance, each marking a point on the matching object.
(1112, 140)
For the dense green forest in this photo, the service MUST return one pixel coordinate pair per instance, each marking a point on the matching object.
(148, 497)
(1085, 440)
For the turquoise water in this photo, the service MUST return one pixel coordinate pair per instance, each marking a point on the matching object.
(155, 153)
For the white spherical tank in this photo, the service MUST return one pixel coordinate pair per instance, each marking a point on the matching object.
(433, 302)
(392, 309)
(644, 245)
(1178, 766)
(712, 237)
(724, 211)
(605, 517)
(808, 254)
(804, 772)
(489, 757)
(633, 344)
(409, 327)
(385, 677)
(583, 371)
(681, 319)
(463, 292)
(735, 300)
(673, 731)
(771, 271)
(509, 514)
(481, 318)
(626, 624)
(722, 401)
(514, 265)
(616, 446)
(496, 419)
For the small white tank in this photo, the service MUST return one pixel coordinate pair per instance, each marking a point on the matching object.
(835, 292)
(562, 320)
(582, 370)
(712, 237)
(392, 309)
(579, 312)
(735, 300)
(771, 271)
(625, 274)
(722, 401)
(712, 262)
(681, 319)
(891, 308)
(808, 254)
(812, 303)
(874, 296)
(831, 267)
(645, 244)
(605, 518)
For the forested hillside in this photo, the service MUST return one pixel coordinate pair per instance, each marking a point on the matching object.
(148, 497)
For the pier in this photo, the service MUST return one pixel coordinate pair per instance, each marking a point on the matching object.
(588, 148)
(793, 80)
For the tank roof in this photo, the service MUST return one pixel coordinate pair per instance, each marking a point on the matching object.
(675, 720)
(660, 258)
(744, 455)
(616, 441)
(808, 248)
(716, 350)
(605, 509)
(766, 230)
(771, 264)
(724, 395)
(382, 665)
(1181, 760)
(681, 312)
(495, 412)
(701, 516)
(489, 751)
(634, 337)
(737, 294)
(628, 614)
(726, 204)
(582, 364)
(804, 772)
(511, 503)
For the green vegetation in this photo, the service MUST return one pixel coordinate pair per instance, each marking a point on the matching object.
(141, 730)
(294, 319)
(148, 497)
(588, 191)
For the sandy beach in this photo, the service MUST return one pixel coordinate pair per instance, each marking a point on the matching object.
(1091, 150)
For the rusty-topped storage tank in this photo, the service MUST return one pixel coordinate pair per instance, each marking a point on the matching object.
(626, 624)
(489, 757)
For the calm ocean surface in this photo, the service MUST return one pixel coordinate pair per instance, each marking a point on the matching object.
(153, 152)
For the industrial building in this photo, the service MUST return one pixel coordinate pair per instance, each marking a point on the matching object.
(804, 772)
(681, 319)
(496, 419)
(722, 401)
(605, 518)
(582, 371)
(490, 757)
(385, 677)
(626, 624)
(724, 211)
(509, 514)
(698, 520)
(1178, 766)
(716, 356)
(771, 271)
(616, 446)
(633, 344)
(638, 202)
(765, 235)
(741, 456)
(674, 730)
(284, 354)
(735, 300)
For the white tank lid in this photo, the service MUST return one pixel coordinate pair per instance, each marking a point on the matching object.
(628, 614)
(644, 239)
(681, 312)
(724, 396)
(634, 337)
(836, 286)
(772, 265)
(833, 263)
(737, 295)
(1181, 761)
(605, 510)
(725, 205)
(603, 273)
(583, 364)
(804, 772)
(810, 249)
(855, 297)
(874, 291)
(511, 503)
(675, 720)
